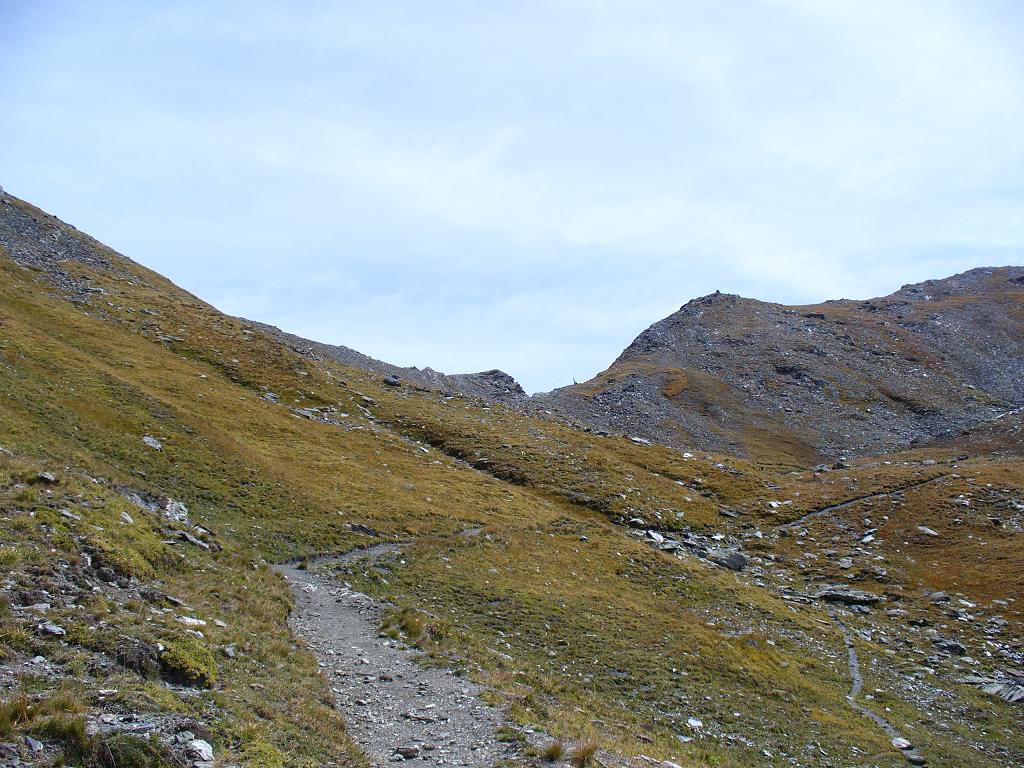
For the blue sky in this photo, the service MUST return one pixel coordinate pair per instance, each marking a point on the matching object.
(523, 185)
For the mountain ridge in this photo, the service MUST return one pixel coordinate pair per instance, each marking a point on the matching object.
(723, 365)
(686, 382)
(609, 599)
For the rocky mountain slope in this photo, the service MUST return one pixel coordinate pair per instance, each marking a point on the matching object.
(839, 378)
(613, 602)
(493, 385)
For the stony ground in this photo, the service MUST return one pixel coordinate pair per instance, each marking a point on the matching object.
(396, 708)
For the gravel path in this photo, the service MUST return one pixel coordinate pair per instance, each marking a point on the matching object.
(395, 709)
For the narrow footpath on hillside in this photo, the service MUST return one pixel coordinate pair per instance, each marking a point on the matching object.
(396, 709)
(857, 684)
(857, 500)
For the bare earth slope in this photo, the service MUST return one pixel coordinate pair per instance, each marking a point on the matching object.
(839, 378)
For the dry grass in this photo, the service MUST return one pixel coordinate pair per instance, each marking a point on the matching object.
(566, 631)
(553, 752)
(584, 754)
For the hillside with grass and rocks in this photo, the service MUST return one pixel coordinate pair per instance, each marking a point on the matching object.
(842, 378)
(771, 536)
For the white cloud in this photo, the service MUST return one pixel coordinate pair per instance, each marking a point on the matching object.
(528, 185)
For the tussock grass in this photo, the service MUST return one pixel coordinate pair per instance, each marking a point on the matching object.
(584, 754)
(553, 752)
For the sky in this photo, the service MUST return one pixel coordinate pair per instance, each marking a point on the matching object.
(520, 185)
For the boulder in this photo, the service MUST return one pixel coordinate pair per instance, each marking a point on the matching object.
(199, 750)
(728, 558)
(51, 629)
(847, 596)
(950, 646)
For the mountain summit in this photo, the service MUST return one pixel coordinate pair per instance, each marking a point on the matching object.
(842, 377)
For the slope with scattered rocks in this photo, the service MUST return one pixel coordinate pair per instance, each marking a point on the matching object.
(636, 602)
(833, 379)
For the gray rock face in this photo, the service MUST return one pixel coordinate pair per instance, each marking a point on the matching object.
(847, 596)
(734, 561)
(950, 646)
(1006, 685)
(200, 750)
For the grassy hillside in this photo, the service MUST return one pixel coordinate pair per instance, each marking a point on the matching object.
(521, 550)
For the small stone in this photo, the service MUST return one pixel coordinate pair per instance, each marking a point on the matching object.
(33, 744)
(126, 518)
(152, 442)
(901, 743)
(409, 752)
(694, 723)
(392, 380)
(927, 531)
(47, 477)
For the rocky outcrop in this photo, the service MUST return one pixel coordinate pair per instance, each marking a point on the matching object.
(493, 385)
(839, 378)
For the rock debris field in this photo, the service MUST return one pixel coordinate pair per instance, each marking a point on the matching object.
(396, 709)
